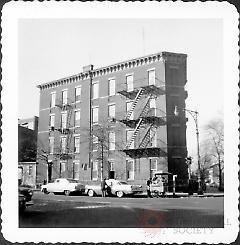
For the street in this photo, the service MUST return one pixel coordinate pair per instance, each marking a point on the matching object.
(83, 211)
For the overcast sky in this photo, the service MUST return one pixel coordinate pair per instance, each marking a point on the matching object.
(54, 48)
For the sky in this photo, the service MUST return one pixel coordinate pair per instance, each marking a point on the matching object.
(50, 49)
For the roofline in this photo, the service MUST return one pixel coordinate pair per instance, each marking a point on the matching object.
(113, 68)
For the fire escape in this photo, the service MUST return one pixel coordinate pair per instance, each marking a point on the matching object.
(144, 124)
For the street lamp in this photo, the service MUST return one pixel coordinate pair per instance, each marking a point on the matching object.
(194, 115)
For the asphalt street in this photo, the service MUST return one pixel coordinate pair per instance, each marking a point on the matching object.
(83, 211)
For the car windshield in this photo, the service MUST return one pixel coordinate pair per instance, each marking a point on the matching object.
(72, 181)
(123, 183)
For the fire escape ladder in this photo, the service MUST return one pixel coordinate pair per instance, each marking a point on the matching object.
(146, 107)
(134, 133)
(137, 98)
(147, 137)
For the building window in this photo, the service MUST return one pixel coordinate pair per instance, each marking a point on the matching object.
(95, 90)
(95, 170)
(151, 77)
(62, 168)
(129, 81)
(111, 111)
(77, 144)
(78, 94)
(153, 106)
(153, 167)
(128, 108)
(130, 169)
(64, 120)
(52, 121)
(111, 87)
(95, 115)
(64, 97)
(76, 170)
(53, 99)
(129, 134)
(63, 144)
(30, 170)
(77, 118)
(153, 138)
(95, 143)
(111, 140)
(51, 145)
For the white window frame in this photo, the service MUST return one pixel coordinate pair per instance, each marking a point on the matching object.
(62, 167)
(111, 113)
(112, 165)
(95, 142)
(153, 106)
(95, 168)
(128, 107)
(77, 123)
(129, 136)
(64, 96)
(95, 117)
(111, 86)
(63, 144)
(153, 141)
(64, 123)
(150, 82)
(129, 83)
(95, 90)
(111, 141)
(77, 146)
(51, 145)
(78, 95)
(53, 99)
(52, 120)
(76, 163)
(131, 177)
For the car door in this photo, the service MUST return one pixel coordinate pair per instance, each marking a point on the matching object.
(56, 186)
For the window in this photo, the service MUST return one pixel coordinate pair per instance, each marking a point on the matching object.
(111, 140)
(129, 106)
(111, 165)
(64, 120)
(95, 114)
(64, 97)
(63, 144)
(77, 144)
(129, 81)
(30, 170)
(53, 99)
(151, 77)
(129, 137)
(77, 118)
(111, 111)
(78, 93)
(52, 120)
(130, 169)
(95, 143)
(51, 144)
(76, 170)
(153, 167)
(153, 137)
(95, 90)
(62, 167)
(153, 106)
(111, 87)
(95, 170)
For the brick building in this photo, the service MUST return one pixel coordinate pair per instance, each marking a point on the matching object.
(127, 130)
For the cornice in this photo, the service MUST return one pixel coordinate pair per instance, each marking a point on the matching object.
(124, 65)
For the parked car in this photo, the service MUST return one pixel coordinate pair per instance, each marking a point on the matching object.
(116, 187)
(63, 185)
(25, 194)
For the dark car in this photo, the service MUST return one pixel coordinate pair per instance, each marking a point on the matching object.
(26, 191)
(21, 202)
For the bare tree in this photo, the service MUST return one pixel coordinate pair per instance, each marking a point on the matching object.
(215, 130)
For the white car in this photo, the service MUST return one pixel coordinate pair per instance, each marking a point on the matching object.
(63, 185)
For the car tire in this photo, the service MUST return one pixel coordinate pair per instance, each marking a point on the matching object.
(90, 193)
(119, 194)
(45, 191)
(66, 192)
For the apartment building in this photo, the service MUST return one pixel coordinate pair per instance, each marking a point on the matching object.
(123, 121)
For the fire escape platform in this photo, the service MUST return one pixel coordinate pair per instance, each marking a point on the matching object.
(158, 121)
(145, 152)
(148, 89)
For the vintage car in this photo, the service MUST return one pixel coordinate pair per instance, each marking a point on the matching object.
(25, 194)
(115, 187)
(63, 185)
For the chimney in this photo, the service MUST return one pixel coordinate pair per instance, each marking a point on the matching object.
(87, 68)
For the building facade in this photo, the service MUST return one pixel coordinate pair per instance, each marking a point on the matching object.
(27, 150)
(123, 121)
